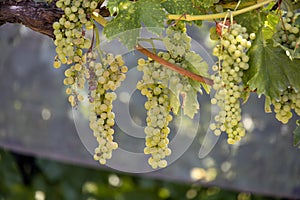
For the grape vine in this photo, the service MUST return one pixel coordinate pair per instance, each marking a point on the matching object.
(247, 55)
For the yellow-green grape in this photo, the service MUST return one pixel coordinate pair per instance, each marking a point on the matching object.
(288, 100)
(177, 42)
(154, 87)
(233, 60)
(288, 33)
(71, 41)
(103, 80)
(56, 64)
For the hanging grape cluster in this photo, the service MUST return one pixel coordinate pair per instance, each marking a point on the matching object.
(104, 78)
(158, 85)
(288, 34)
(74, 49)
(154, 87)
(288, 100)
(70, 42)
(233, 60)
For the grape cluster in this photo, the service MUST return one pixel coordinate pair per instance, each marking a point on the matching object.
(178, 45)
(75, 49)
(154, 87)
(289, 99)
(288, 33)
(70, 42)
(103, 79)
(158, 84)
(177, 41)
(233, 60)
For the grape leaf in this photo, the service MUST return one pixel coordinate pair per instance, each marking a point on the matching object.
(112, 6)
(130, 17)
(181, 7)
(297, 134)
(151, 14)
(251, 20)
(175, 102)
(203, 4)
(268, 103)
(297, 21)
(270, 71)
(125, 25)
(270, 24)
(174, 97)
(245, 95)
(213, 33)
(190, 103)
(197, 65)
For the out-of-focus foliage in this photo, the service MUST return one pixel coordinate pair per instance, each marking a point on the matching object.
(28, 178)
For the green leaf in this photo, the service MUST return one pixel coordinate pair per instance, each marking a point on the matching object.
(113, 6)
(251, 20)
(174, 97)
(151, 14)
(268, 103)
(203, 4)
(270, 71)
(197, 65)
(297, 134)
(175, 103)
(130, 17)
(213, 33)
(125, 25)
(297, 21)
(270, 24)
(196, 85)
(190, 103)
(245, 95)
(181, 7)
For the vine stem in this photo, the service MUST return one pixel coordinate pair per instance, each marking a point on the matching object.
(218, 15)
(174, 67)
(99, 18)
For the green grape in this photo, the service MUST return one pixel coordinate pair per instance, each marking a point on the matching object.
(219, 8)
(228, 81)
(74, 48)
(155, 86)
(103, 80)
(70, 40)
(288, 100)
(288, 31)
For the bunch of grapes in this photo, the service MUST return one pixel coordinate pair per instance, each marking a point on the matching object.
(158, 84)
(178, 45)
(289, 99)
(75, 49)
(104, 78)
(233, 60)
(177, 42)
(71, 42)
(288, 34)
(154, 87)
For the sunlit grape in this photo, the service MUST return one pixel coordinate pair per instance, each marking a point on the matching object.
(228, 81)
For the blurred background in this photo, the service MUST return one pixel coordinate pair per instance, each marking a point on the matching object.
(42, 156)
